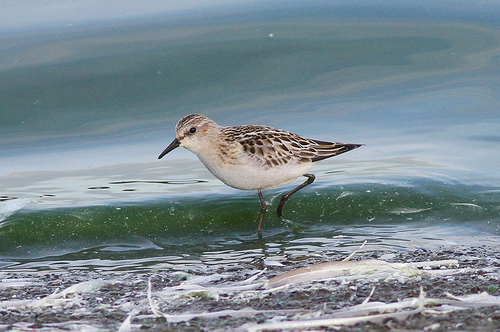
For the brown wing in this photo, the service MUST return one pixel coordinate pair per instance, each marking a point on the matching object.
(273, 147)
(264, 145)
(330, 149)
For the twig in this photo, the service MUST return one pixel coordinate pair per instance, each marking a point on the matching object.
(355, 251)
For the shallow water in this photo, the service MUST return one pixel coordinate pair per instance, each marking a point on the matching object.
(86, 108)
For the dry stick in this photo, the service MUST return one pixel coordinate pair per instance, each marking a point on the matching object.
(150, 299)
(312, 323)
(355, 251)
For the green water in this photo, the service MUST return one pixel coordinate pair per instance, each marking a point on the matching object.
(87, 107)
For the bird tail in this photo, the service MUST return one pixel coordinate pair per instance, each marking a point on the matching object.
(331, 149)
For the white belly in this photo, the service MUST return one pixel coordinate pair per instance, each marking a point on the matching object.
(253, 177)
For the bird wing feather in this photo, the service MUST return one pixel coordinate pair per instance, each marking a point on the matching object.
(273, 147)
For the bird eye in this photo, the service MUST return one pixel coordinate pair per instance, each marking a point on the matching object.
(192, 130)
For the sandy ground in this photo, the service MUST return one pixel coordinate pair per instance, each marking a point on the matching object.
(236, 298)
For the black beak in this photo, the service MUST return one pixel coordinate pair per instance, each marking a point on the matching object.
(175, 143)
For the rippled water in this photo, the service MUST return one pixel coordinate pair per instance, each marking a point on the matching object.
(86, 109)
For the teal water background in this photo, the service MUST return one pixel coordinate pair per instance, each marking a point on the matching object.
(90, 97)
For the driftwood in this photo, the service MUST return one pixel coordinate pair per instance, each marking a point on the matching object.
(350, 269)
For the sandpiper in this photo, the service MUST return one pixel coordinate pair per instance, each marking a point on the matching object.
(253, 157)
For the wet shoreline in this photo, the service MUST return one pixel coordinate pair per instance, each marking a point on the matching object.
(235, 298)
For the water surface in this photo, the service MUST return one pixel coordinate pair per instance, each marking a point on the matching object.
(87, 107)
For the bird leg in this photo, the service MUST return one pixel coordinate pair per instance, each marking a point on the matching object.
(263, 210)
(284, 198)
